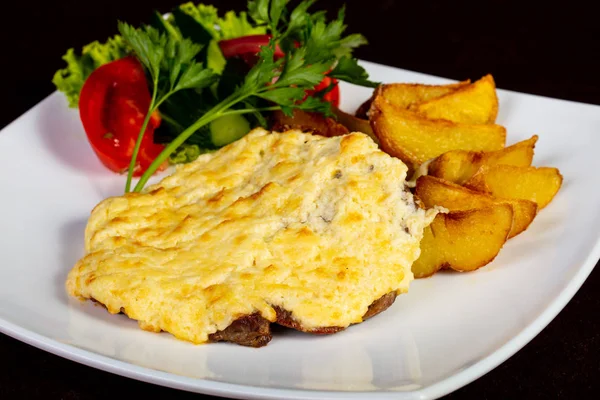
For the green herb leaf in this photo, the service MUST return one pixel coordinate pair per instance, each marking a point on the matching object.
(179, 54)
(167, 59)
(268, 12)
(316, 104)
(299, 17)
(148, 45)
(349, 43)
(347, 69)
(286, 96)
(296, 71)
(265, 71)
(323, 39)
(259, 119)
(259, 11)
(201, 24)
(196, 77)
(312, 46)
(277, 8)
(319, 16)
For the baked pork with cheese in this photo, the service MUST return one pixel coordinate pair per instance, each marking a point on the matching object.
(309, 232)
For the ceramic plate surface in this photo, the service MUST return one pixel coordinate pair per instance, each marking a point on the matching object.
(447, 331)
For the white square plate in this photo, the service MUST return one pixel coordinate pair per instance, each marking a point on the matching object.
(447, 331)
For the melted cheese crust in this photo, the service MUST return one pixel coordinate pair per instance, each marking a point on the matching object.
(321, 227)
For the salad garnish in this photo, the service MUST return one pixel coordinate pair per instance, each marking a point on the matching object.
(212, 79)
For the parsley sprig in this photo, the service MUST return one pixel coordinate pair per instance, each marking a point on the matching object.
(171, 66)
(313, 48)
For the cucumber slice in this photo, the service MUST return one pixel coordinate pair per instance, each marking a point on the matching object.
(163, 25)
(228, 128)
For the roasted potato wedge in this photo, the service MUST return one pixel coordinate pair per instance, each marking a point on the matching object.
(431, 260)
(459, 166)
(511, 182)
(434, 191)
(404, 95)
(354, 124)
(415, 139)
(463, 240)
(471, 104)
(524, 212)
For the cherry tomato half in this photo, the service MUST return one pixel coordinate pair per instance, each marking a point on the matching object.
(333, 96)
(247, 48)
(113, 103)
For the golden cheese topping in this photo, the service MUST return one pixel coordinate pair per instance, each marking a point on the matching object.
(320, 227)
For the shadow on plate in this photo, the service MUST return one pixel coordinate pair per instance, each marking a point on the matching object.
(63, 135)
(71, 249)
(505, 107)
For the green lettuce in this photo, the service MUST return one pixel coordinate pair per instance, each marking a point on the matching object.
(205, 15)
(234, 26)
(70, 80)
(231, 26)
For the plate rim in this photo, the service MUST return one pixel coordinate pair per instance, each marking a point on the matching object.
(440, 388)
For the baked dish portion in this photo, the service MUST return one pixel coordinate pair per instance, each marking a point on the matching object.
(309, 232)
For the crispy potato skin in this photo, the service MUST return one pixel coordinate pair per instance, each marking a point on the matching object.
(459, 166)
(415, 139)
(539, 185)
(430, 261)
(475, 237)
(434, 191)
(476, 103)
(463, 240)
(524, 212)
(448, 138)
(405, 95)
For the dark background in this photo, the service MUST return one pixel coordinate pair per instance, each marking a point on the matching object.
(541, 48)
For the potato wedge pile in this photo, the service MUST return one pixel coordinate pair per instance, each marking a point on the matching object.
(419, 122)
(448, 137)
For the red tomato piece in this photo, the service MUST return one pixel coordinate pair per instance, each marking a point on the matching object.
(113, 103)
(333, 96)
(247, 48)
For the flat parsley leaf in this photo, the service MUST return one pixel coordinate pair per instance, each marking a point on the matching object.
(196, 76)
(148, 45)
(168, 59)
(296, 72)
(347, 69)
(259, 11)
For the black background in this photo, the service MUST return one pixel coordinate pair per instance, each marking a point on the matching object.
(541, 48)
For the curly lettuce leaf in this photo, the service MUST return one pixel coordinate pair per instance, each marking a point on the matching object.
(70, 80)
(205, 15)
(231, 26)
